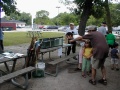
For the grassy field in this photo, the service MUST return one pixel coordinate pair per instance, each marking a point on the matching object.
(15, 38)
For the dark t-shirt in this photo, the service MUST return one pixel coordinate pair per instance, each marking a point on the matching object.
(114, 52)
(99, 44)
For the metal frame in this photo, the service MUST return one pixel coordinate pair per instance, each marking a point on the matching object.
(25, 84)
(57, 69)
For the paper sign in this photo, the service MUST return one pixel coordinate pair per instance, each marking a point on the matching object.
(60, 51)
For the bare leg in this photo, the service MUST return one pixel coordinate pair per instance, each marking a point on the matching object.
(93, 74)
(116, 65)
(103, 70)
(112, 66)
(80, 65)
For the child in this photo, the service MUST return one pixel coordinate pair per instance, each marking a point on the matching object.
(87, 54)
(114, 57)
(33, 52)
(80, 57)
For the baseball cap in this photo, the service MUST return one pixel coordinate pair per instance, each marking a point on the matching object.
(92, 27)
(71, 23)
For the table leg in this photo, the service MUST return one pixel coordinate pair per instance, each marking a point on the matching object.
(49, 54)
(42, 56)
(14, 63)
(6, 66)
(65, 51)
(25, 65)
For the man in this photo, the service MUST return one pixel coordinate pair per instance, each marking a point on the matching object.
(1, 41)
(100, 52)
(102, 29)
(74, 32)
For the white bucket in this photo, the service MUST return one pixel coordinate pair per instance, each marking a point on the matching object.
(40, 65)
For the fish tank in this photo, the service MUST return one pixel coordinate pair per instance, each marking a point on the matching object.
(51, 42)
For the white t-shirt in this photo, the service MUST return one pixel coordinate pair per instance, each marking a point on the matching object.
(74, 31)
(102, 29)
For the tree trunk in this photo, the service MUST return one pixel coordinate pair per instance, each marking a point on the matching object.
(108, 16)
(85, 16)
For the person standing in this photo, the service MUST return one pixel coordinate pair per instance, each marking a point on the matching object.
(114, 57)
(100, 53)
(87, 54)
(1, 40)
(102, 29)
(110, 39)
(74, 32)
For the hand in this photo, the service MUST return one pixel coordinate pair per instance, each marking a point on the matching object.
(88, 57)
(71, 41)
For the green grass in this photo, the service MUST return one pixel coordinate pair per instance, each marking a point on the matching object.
(15, 38)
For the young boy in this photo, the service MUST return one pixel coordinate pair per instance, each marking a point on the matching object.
(114, 57)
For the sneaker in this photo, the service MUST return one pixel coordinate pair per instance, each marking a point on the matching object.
(92, 82)
(75, 58)
(103, 81)
(77, 69)
(90, 71)
(112, 68)
(68, 59)
(117, 69)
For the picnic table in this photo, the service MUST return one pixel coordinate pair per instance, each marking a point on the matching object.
(34, 33)
(12, 74)
(49, 50)
(4, 59)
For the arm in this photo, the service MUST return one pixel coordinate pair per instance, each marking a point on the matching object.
(118, 55)
(76, 39)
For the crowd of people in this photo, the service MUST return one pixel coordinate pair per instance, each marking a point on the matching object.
(96, 46)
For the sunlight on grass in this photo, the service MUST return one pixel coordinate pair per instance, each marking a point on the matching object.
(15, 38)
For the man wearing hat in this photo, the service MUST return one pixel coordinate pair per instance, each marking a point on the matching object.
(102, 28)
(100, 52)
(74, 31)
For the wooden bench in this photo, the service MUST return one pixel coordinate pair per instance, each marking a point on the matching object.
(58, 61)
(12, 75)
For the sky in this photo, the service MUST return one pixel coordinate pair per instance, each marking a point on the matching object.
(32, 6)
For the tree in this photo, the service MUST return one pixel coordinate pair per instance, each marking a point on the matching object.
(115, 14)
(108, 16)
(66, 18)
(96, 8)
(25, 17)
(86, 8)
(9, 6)
(42, 17)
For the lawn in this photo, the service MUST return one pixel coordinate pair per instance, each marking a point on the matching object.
(15, 38)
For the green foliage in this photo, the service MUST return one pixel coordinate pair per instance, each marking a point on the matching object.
(25, 17)
(42, 17)
(9, 6)
(115, 14)
(66, 18)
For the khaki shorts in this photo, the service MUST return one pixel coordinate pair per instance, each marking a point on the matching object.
(95, 63)
(114, 60)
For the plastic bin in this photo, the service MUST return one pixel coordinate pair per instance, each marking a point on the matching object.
(40, 70)
(56, 42)
(45, 43)
(52, 42)
(60, 41)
